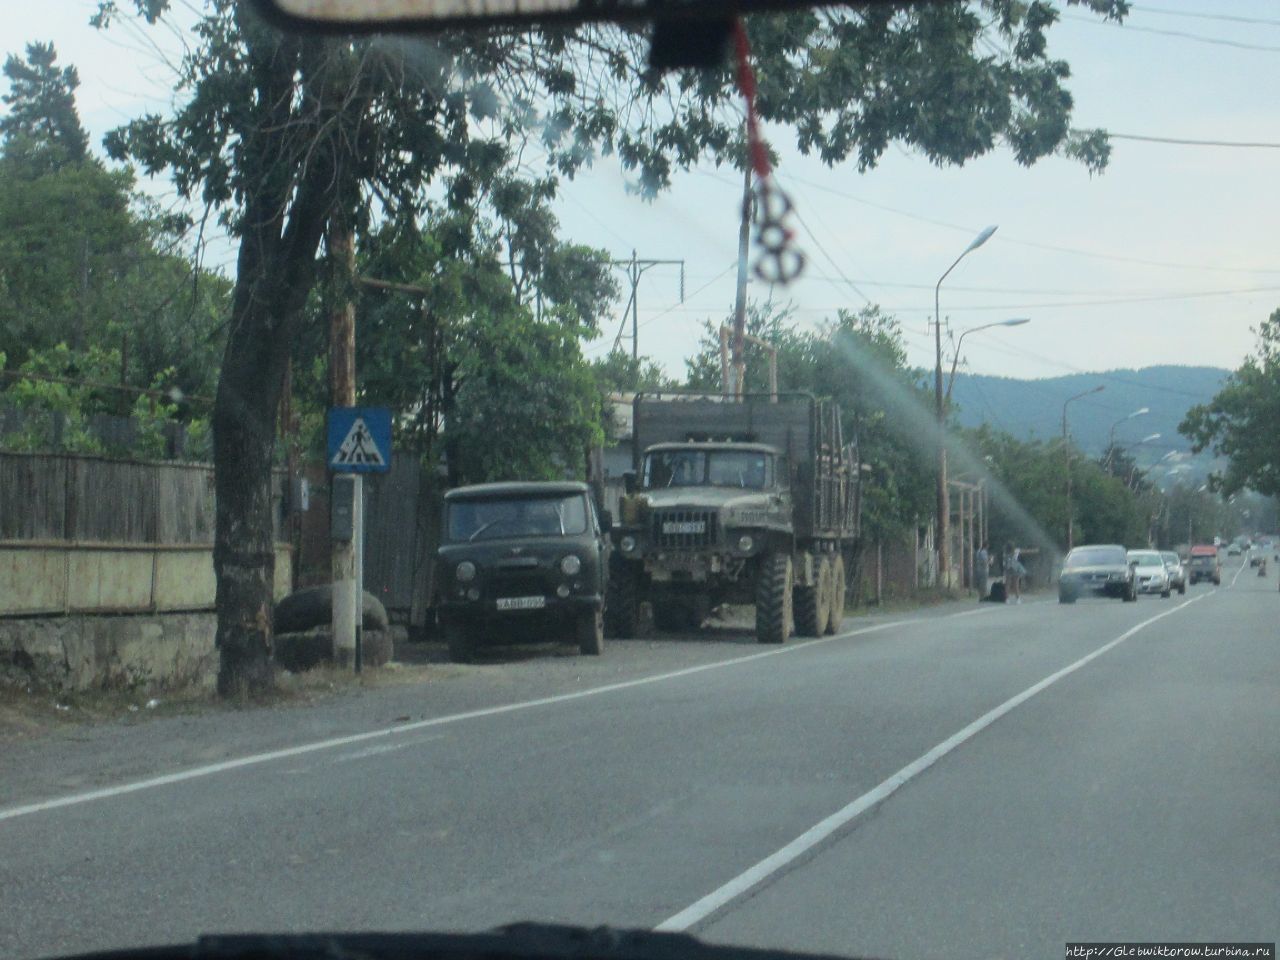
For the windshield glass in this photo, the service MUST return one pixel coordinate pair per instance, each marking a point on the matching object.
(1146, 558)
(1095, 556)
(493, 518)
(748, 469)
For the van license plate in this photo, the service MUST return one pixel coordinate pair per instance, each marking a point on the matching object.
(521, 603)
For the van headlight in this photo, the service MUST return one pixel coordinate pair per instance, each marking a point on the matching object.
(466, 571)
(627, 544)
(570, 565)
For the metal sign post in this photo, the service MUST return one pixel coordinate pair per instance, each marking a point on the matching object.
(359, 442)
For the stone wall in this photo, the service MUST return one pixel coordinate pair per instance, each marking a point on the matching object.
(148, 651)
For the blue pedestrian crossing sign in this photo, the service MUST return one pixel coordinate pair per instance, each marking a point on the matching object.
(359, 439)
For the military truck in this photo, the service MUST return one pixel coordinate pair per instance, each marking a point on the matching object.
(753, 501)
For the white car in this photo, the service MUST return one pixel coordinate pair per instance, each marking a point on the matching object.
(1150, 575)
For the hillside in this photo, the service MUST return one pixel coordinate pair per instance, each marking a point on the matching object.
(1033, 408)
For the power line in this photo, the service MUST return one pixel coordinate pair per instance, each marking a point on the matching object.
(1196, 15)
(1190, 142)
(1181, 34)
(1004, 238)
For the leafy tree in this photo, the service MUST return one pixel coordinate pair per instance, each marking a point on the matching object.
(1240, 422)
(284, 134)
(619, 372)
(42, 124)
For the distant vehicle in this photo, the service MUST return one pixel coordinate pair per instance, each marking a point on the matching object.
(522, 561)
(1150, 572)
(1255, 556)
(1177, 572)
(1204, 565)
(1098, 570)
(1234, 550)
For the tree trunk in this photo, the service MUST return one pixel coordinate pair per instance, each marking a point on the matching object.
(274, 272)
(244, 418)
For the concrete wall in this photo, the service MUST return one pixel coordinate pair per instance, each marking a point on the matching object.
(153, 652)
(59, 577)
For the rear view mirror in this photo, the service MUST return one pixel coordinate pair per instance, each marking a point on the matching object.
(629, 482)
(606, 521)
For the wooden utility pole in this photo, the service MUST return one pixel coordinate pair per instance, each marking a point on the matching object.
(347, 602)
(739, 358)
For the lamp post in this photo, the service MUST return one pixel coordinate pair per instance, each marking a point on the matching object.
(955, 360)
(944, 503)
(1067, 450)
(1111, 436)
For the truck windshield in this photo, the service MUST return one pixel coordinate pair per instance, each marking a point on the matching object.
(749, 469)
(495, 518)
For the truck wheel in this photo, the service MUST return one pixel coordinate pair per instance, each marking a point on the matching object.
(589, 631)
(838, 587)
(774, 583)
(813, 604)
(622, 603)
(460, 636)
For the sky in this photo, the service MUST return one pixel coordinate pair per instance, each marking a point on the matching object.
(1168, 257)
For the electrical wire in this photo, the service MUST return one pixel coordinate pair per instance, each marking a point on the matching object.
(1196, 15)
(1181, 34)
(1191, 142)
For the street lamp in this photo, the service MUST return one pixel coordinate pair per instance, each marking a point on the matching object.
(944, 504)
(1111, 437)
(955, 360)
(1067, 449)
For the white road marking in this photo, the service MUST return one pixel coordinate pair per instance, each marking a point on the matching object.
(781, 859)
(255, 759)
(1236, 577)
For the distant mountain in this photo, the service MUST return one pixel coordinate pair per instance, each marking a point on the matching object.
(1033, 408)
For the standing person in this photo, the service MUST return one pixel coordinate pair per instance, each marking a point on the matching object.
(1018, 571)
(1007, 569)
(982, 570)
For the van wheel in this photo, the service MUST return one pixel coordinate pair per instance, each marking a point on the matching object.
(1131, 593)
(813, 604)
(838, 593)
(774, 583)
(589, 631)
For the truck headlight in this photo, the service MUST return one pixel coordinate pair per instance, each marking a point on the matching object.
(627, 543)
(466, 571)
(745, 543)
(570, 565)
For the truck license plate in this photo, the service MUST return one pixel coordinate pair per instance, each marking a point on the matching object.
(685, 526)
(521, 603)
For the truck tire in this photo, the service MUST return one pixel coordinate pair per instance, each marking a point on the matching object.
(622, 603)
(589, 632)
(460, 636)
(813, 604)
(774, 583)
(838, 595)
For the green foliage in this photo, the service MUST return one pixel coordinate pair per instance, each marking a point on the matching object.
(86, 262)
(1240, 422)
(619, 372)
(56, 393)
(42, 126)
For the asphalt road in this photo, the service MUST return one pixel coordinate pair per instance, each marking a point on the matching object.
(985, 781)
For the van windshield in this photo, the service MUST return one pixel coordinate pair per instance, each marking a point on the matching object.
(494, 518)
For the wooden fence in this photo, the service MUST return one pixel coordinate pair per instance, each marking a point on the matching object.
(83, 533)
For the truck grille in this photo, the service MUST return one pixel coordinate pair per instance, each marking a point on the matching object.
(684, 529)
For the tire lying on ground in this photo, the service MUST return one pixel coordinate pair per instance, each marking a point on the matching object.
(303, 650)
(313, 607)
